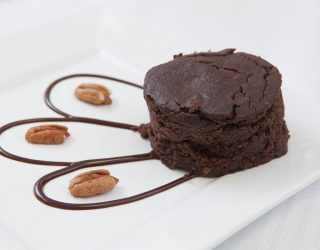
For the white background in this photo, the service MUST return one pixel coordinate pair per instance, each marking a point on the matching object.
(260, 27)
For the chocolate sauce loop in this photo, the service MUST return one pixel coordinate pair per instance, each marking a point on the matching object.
(73, 166)
(41, 196)
(47, 93)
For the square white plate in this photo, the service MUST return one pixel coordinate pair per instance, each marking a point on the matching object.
(116, 40)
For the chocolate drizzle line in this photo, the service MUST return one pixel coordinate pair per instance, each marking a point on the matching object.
(73, 166)
(47, 93)
(39, 186)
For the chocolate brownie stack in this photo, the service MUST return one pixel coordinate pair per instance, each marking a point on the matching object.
(216, 113)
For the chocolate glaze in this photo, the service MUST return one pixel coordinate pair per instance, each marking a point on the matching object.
(73, 166)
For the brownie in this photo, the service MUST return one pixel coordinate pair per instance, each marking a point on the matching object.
(216, 113)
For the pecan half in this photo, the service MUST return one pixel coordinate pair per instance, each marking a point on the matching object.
(92, 183)
(47, 134)
(93, 93)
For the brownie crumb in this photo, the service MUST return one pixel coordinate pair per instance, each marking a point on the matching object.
(144, 130)
(178, 55)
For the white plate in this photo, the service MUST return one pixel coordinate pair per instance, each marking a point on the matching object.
(198, 214)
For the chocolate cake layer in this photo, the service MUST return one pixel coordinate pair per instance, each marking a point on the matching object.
(216, 113)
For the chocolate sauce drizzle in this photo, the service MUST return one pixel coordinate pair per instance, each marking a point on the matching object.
(73, 166)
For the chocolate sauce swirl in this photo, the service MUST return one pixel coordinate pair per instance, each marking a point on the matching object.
(73, 166)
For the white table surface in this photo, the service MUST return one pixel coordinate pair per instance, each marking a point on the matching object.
(295, 224)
